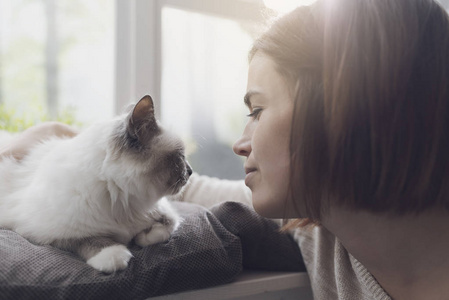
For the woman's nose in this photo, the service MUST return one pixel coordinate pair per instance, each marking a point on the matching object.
(242, 146)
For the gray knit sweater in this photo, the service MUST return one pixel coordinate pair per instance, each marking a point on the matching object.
(333, 272)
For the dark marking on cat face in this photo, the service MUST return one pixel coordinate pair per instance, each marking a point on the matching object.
(142, 125)
(156, 154)
(138, 130)
(177, 170)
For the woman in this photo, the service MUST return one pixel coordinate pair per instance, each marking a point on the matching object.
(349, 114)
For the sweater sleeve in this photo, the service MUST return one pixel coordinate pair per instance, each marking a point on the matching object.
(208, 191)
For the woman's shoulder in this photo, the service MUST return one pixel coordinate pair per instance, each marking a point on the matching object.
(315, 240)
(334, 273)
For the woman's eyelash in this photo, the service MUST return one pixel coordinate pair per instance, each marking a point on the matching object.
(255, 113)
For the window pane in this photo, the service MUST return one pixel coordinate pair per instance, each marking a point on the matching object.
(87, 57)
(204, 70)
(56, 56)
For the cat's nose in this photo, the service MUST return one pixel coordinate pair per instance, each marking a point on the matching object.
(189, 169)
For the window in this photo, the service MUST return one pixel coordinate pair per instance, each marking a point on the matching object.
(85, 60)
(196, 72)
(204, 69)
(56, 58)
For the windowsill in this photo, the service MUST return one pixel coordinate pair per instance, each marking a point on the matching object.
(251, 285)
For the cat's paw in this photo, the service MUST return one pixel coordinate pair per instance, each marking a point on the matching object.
(111, 259)
(166, 221)
(158, 233)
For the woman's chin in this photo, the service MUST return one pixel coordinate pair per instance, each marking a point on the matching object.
(265, 207)
(269, 206)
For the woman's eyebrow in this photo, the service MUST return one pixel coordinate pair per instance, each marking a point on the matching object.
(247, 97)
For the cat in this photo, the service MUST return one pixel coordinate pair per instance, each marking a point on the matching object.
(93, 193)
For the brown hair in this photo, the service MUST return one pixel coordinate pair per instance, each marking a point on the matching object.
(371, 119)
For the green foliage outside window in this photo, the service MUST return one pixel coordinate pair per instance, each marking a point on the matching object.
(14, 121)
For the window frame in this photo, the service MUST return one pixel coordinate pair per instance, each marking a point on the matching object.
(138, 53)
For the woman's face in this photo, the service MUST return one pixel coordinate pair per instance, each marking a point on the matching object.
(265, 140)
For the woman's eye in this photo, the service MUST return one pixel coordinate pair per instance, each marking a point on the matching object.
(255, 113)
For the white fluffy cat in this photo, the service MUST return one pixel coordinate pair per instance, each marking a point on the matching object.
(92, 194)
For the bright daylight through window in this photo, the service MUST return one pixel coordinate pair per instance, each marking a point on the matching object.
(63, 60)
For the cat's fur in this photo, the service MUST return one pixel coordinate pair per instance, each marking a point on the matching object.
(92, 194)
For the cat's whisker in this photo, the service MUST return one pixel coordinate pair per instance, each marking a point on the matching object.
(174, 186)
(177, 186)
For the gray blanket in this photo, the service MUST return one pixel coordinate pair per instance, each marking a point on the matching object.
(210, 248)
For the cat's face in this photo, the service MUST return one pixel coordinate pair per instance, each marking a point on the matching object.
(144, 159)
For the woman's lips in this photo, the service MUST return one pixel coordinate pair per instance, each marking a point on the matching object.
(249, 174)
(249, 170)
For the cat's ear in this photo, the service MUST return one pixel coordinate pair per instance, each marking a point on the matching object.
(142, 123)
